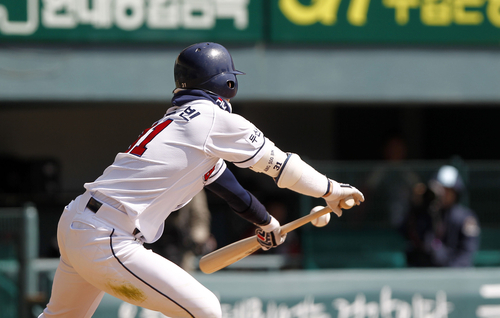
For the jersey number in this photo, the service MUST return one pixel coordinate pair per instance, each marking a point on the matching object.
(151, 133)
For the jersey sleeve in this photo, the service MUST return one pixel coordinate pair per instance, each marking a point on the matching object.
(235, 139)
(217, 171)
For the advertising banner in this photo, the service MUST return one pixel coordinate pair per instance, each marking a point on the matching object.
(344, 294)
(386, 21)
(251, 21)
(115, 21)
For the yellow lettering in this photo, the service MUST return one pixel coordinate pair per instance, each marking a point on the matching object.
(323, 11)
(493, 12)
(402, 9)
(357, 12)
(468, 17)
(436, 12)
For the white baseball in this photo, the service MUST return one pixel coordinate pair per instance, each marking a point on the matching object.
(322, 220)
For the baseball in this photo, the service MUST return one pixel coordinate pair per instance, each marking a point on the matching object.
(322, 220)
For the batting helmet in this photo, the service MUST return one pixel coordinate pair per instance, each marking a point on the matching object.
(207, 66)
(449, 177)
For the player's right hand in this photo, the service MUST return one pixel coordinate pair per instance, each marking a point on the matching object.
(339, 192)
(269, 235)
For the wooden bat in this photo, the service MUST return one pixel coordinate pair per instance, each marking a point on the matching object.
(236, 251)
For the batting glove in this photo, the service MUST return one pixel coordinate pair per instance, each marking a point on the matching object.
(340, 191)
(269, 235)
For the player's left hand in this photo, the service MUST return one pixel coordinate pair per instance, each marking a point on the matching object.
(335, 206)
(269, 235)
(341, 191)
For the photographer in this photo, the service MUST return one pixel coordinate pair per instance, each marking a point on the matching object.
(440, 231)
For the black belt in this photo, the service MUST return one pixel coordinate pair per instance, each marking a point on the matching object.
(94, 206)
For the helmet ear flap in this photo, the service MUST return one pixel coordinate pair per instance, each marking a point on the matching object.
(225, 85)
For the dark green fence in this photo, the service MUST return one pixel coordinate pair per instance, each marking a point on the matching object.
(18, 252)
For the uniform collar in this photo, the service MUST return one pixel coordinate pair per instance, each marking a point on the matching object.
(183, 96)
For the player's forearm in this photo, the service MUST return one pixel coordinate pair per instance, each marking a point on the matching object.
(290, 171)
(240, 200)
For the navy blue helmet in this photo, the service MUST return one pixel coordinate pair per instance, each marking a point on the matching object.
(449, 177)
(207, 66)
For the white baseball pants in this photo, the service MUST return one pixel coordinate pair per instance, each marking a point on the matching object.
(99, 256)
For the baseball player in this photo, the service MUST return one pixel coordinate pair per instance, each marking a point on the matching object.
(440, 231)
(101, 233)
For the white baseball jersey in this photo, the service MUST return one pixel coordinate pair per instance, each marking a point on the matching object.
(174, 159)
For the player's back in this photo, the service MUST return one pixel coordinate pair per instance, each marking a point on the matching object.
(167, 160)
(171, 161)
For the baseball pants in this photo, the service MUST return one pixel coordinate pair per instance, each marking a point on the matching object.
(99, 254)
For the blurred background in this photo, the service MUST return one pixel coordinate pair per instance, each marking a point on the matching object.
(378, 94)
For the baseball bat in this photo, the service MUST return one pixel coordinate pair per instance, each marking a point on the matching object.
(238, 250)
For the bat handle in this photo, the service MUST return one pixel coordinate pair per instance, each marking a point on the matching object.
(304, 220)
(234, 252)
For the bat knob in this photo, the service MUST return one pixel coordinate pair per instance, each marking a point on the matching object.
(347, 203)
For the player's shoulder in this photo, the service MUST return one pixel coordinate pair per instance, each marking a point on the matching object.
(467, 220)
(460, 213)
